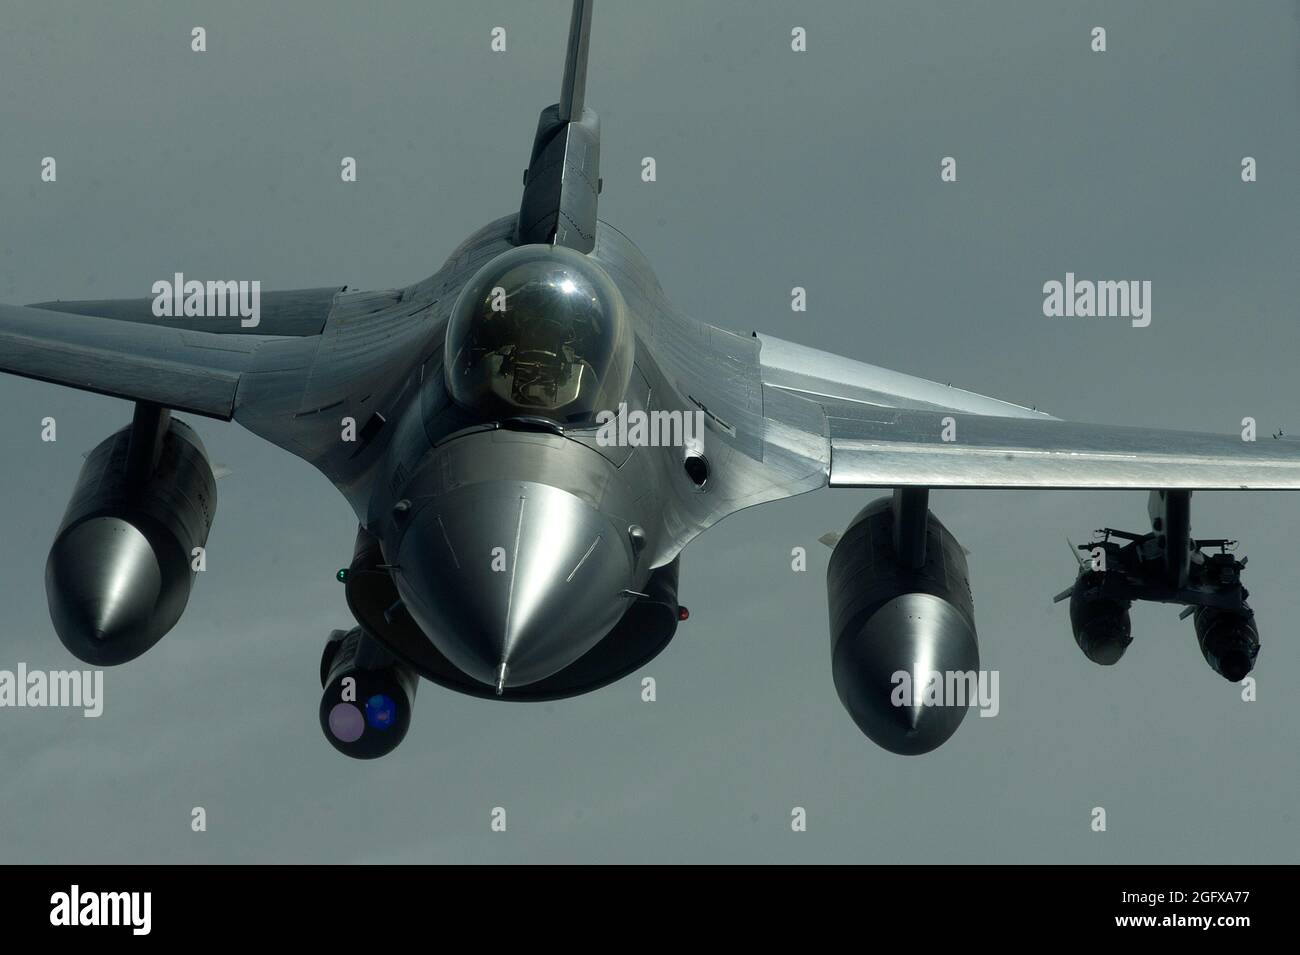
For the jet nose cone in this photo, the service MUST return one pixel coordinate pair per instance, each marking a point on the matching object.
(927, 639)
(513, 581)
(103, 582)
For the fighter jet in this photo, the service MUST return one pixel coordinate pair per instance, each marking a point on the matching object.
(532, 435)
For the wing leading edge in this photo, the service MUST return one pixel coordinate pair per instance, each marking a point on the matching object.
(198, 372)
(118, 347)
(297, 313)
(885, 429)
(872, 447)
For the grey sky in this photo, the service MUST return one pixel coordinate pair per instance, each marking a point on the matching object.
(774, 169)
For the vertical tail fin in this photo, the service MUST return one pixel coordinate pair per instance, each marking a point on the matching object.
(574, 89)
(562, 183)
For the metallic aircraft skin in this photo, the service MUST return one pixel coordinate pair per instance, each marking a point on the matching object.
(516, 543)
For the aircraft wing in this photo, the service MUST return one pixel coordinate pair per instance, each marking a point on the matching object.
(118, 347)
(190, 371)
(313, 351)
(296, 313)
(885, 429)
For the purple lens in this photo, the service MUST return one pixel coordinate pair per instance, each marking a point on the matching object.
(346, 722)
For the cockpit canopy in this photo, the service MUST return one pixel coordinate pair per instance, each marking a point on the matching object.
(540, 330)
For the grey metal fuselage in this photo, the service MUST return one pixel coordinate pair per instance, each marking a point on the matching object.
(516, 546)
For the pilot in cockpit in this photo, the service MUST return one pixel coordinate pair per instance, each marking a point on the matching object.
(539, 331)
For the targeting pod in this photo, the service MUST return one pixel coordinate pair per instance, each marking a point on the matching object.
(365, 709)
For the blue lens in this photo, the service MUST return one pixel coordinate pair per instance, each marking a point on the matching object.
(381, 711)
